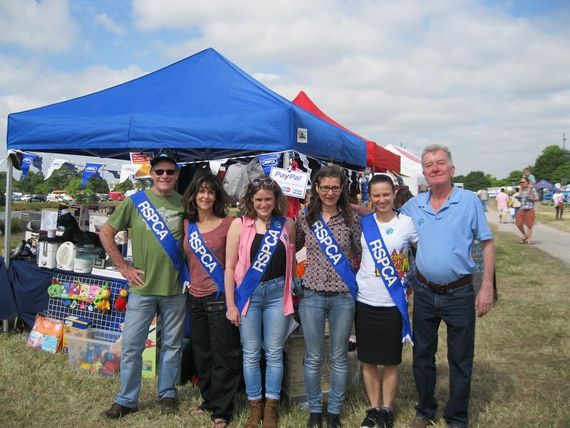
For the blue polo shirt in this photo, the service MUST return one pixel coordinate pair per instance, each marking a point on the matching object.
(445, 238)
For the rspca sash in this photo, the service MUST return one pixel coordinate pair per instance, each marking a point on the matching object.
(207, 259)
(259, 265)
(334, 254)
(385, 265)
(160, 230)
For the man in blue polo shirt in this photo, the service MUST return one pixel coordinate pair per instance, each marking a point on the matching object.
(447, 219)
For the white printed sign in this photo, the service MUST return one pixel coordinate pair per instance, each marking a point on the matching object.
(293, 183)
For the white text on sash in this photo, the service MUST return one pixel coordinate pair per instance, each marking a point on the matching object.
(383, 259)
(265, 253)
(152, 217)
(331, 250)
(199, 249)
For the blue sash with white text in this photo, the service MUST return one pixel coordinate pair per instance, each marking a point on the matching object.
(207, 259)
(259, 264)
(335, 256)
(160, 230)
(388, 272)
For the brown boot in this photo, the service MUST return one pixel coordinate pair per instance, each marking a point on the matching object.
(270, 413)
(255, 414)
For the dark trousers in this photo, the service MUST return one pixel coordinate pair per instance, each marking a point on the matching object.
(217, 354)
(457, 309)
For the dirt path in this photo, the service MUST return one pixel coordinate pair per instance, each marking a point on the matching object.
(553, 241)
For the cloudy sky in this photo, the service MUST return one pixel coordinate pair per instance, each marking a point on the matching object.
(491, 79)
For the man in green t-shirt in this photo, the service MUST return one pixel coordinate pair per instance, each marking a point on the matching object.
(154, 286)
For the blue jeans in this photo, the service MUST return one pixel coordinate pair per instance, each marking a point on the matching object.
(314, 309)
(457, 309)
(140, 312)
(265, 325)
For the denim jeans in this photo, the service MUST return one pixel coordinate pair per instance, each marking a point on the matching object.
(314, 309)
(216, 350)
(457, 309)
(264, 325)
(140, 312)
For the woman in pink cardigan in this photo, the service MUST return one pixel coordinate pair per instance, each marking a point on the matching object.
(260, 254)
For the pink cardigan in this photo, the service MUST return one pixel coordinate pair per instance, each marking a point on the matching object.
(246, 239)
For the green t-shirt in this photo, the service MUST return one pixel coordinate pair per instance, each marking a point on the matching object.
(161, 277)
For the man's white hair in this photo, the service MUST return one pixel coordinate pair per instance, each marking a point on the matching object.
(432, 148)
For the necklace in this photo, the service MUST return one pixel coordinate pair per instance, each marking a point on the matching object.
(265, 222)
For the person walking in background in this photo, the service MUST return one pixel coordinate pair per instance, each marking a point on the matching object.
(260, 259)
(381, 305)
(515, 202)
(448, 220)
(156, 279)
(558, 200)
(483, 197)
(502, 204)
(216, 347)
(330, 229)
(526, 214)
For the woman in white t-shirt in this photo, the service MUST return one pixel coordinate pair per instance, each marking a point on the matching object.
(378, 320)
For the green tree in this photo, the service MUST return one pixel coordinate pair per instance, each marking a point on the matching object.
(61, 177)
(33, 183)
(458, 179)
(546, 163)
(124, 186)
(562, 174)
(476, 180)
(97, 184)
(3, 188)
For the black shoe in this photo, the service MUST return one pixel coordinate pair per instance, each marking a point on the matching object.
(333, 421)
(372, 419)
(117, 411)
(388, 418)
(315, 420)
(168, 405)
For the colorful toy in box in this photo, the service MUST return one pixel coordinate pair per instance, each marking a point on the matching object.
(76, 325)
(121, 301)
(97, 352)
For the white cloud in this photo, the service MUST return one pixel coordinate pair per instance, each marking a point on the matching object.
(45, 26)
(493, 87)
(107, 22)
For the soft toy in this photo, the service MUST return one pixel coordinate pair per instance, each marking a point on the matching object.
(103, 300)
(121, 301)
(54, 290)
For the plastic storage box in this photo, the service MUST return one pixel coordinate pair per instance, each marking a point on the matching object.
(95, 351)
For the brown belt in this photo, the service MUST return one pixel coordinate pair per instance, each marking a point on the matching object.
(442, 288)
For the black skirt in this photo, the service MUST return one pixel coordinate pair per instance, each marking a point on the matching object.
(378, 334)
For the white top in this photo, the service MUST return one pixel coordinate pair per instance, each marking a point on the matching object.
(398, 234)
(557, 198)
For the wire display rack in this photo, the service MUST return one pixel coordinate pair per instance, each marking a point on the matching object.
(61, 308)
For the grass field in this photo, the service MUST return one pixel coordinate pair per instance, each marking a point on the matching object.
(520, 376)
(546, 214)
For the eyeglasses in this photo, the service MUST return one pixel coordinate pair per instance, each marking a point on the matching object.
(327, 189)
(266, 181)
(162, 171)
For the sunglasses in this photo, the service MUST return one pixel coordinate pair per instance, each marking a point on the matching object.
(162, 171)
(267, 181)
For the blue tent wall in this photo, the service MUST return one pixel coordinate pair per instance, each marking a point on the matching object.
(204, 107)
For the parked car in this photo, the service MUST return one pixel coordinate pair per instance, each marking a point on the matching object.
(37, 198)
